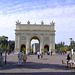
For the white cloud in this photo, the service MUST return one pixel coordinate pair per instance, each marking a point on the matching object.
(63, 16)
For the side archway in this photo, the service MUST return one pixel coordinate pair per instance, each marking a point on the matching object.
(46, 48)
(23, 47)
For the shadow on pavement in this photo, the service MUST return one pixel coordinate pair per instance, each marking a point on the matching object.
(41, 73)
(32, 65)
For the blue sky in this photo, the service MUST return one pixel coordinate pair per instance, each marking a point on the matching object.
(62, 12)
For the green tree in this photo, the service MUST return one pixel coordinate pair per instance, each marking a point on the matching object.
(65, 48)
(73, 47)
(8, 47)
(3, 42)
(4, 47)
(62, 49)
(59, 46)
(1, 46)
(12, 46)
(73, 44)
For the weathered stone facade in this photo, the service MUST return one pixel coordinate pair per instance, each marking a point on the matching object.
(24, 33)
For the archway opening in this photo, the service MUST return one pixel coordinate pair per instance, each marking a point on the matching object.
(35, 45)
(23, 47)
(46, 48)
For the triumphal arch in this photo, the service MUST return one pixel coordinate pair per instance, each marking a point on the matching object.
(24, 33)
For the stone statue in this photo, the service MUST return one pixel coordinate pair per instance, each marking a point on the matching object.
(52, 23)
(42, 23)
(28, 22)
(18, 22)
(35, 23)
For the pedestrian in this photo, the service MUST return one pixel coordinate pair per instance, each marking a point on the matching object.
(8, 53)
(38, 53)
(32, 52)
(12, 52)
(24, 58)
(20, 55)
(42, 55)
(68, 59)
(0, 52)
(48, 53)
(51, 53)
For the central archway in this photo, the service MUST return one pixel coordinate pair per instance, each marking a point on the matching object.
(35, 45)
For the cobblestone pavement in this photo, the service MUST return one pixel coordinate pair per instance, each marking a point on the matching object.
(45, 66)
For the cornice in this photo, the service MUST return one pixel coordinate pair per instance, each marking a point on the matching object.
(38, 30)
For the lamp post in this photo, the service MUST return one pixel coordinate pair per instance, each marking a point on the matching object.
(71, 40)
(6, 49)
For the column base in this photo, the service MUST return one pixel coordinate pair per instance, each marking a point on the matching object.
(16, 50)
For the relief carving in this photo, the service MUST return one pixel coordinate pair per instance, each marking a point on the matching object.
(23, 37)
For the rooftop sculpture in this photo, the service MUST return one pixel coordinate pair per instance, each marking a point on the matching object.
(18, 22)
(42, 23)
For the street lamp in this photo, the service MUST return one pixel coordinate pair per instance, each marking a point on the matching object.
(71, 40)
(6, 49)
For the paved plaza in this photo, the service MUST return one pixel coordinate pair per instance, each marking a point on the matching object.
(45, 66)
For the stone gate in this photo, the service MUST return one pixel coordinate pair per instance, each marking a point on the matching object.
(24, 33)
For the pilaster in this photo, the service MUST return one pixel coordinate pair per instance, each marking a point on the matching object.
(41, 45)
(27, 44)
(17, 42)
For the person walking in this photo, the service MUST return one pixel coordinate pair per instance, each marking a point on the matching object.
(69, 58)
(0, 52)
(42, 55)
(20, 55)
(51, 53)
(38, 53)
(24, 58)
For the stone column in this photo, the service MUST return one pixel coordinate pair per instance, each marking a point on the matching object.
(17, 42)
(27, 44)
(41, 45)
(52, 44)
